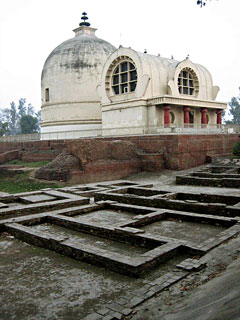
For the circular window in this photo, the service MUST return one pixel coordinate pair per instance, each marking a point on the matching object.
(188, 82)
(121, 76)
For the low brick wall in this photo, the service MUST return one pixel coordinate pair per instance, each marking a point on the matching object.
(30, 151)
(186, 151)
(106, 170)
(117, 157)
(178, 152)
(9, 155)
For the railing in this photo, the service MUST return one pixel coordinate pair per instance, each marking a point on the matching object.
(125, 131)
(21, 137)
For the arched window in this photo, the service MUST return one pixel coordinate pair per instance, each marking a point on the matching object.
(172, 117)
(188, 82)
(207, 116)
(124, 78)
(47, 96)
(191, 116)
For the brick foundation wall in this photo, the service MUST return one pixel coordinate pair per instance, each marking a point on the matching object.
(8, 156)
(106, 170)
(186, 151)
(31, 150)
(117, 157)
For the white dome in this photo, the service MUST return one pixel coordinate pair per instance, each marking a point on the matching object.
(69, 80)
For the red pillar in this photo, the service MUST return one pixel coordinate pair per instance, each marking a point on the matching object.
(219, 116)
(186, 116)
(204, 116)
(167, 116)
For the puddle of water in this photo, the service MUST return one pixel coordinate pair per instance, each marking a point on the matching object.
(88, 240)
(104, 217)
(183, 230)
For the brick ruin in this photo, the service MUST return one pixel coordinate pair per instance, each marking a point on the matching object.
(128, 228)
(98, 159)
(154, 236)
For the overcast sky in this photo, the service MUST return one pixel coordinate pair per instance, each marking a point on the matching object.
(31, 29)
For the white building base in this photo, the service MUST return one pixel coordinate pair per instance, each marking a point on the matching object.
(71, 131)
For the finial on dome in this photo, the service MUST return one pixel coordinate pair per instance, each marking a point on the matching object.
(84, 18)
(84, 27)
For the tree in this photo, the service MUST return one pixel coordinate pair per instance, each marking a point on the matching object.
(28, 124)
(22, 109)
(202, 3)
(234, 110)
(30, 110)
(13, 119)
(4, 131)
(38, 115)
(4, 115)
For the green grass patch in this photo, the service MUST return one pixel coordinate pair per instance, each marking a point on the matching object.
(236, 149)
(23, 183)
(37, 164)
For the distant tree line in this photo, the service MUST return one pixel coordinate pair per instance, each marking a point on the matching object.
(234, 110)
(19, 119)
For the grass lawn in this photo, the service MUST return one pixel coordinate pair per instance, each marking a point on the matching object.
(23, 183)
(29, 164)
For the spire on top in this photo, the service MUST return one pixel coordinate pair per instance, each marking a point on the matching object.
(84, 18)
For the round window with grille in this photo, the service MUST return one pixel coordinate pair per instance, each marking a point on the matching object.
(122, 76)
(188, 82)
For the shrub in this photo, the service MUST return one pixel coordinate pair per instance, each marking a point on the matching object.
(236, 149)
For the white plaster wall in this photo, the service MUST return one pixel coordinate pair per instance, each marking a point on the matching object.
(71, 112)
(70, 131)
(160, 116)
(127, 117)
(178, 113)
(212, 117)
(152, 116)
(68, 86)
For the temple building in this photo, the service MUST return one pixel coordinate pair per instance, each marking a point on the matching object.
(70, 76)
(142, 92)
(89, 85)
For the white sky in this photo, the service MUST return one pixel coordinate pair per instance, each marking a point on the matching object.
(31, 29)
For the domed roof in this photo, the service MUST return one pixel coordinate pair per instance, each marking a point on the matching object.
(70, 77)
(84, 51)
(79, 48)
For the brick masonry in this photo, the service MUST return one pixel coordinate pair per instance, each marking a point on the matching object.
(117, 157)
(158, 248)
